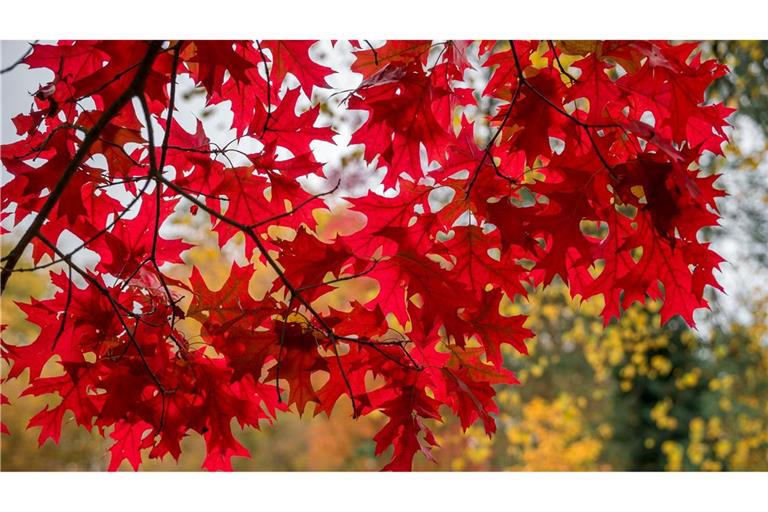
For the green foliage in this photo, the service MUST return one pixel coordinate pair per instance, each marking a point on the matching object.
(746, 87)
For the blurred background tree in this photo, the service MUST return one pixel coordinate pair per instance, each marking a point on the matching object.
(628, 396)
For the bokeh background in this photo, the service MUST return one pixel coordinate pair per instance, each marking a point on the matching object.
(633, 395)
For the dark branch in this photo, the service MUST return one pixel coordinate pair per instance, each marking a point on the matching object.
(19, 60)
(586, 126)
(93, 135)
(559, 64)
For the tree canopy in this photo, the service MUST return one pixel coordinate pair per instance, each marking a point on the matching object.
(475, 173)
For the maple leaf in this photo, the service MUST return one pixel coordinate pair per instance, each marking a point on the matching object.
(369, 60)
(402, 117)
(293, 57)
(468, 382)
(298, 360)
(404, 428)
(128, 439)
(495, 330)
(211, 59)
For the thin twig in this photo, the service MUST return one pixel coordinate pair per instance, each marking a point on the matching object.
(65, 312)
(20, 59)
(114, 304)
(297, 208)
(489, 146)
(339, 279)
(585, 126)
(269, 89)
(559, 64)
(375, 54)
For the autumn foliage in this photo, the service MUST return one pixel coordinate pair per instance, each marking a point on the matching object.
(583, 169)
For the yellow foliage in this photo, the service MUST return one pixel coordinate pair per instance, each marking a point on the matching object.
(551, 436)
(660, 414)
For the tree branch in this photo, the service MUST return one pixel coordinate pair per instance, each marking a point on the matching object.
(19, 60)
(92, 136)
